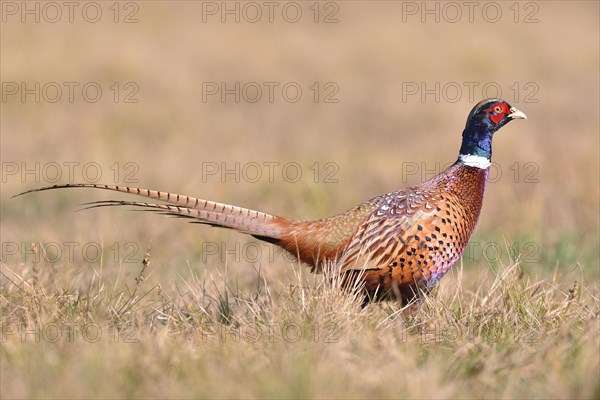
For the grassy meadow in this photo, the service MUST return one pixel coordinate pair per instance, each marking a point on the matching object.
(303, 116)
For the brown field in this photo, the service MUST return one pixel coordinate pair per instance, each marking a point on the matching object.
(218, 315)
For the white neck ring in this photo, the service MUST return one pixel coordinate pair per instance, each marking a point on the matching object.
(475, 161)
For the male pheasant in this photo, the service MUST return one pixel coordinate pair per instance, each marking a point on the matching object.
(399, 244)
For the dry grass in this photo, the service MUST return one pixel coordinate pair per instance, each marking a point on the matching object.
(210, 338)
(506, 323)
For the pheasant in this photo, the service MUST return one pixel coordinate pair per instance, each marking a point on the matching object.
(397, 245)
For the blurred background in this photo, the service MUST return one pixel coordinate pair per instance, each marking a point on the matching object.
(311, 107)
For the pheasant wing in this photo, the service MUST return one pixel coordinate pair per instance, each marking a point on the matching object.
(390, 230)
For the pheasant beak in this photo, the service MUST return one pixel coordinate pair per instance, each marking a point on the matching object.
(516, 114)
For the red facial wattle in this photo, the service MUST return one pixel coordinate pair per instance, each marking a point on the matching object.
(497, 112)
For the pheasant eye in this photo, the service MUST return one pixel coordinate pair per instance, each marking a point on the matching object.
(498, 109)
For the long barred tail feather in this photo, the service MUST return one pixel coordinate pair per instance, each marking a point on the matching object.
(261, 225)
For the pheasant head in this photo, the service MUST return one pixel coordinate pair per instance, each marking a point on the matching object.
(483, 121)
